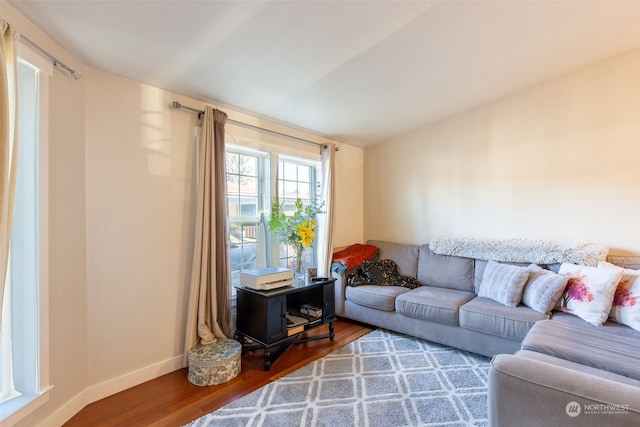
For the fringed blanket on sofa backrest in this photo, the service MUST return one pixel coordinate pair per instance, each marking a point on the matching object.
(520, 250)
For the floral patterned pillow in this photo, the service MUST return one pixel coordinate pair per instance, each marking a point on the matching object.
(625, 308)
(589, 292)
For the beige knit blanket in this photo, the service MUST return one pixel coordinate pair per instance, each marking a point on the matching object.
(520, 250)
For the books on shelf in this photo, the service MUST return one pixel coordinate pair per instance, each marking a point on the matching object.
(296, 330)
(268, 278)
(311, 310)
(315, 321)
(295, 324)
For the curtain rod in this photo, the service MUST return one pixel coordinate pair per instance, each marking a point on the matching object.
(56, 62)
(176, 104)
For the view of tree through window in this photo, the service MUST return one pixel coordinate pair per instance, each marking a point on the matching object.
(242, 184)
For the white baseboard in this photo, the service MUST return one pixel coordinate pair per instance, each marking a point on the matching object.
(66, 411)
(109, 387)
(128, 380)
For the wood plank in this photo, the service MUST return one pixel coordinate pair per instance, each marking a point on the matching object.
(171, 400)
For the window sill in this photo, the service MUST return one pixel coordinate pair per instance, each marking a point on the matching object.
(18, 408)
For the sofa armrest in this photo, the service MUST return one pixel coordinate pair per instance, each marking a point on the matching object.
(526, 392)
(340, 289)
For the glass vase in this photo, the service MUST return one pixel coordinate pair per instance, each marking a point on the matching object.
(298, 266)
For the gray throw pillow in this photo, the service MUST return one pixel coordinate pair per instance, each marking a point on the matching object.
(503, 283)
(543, 289)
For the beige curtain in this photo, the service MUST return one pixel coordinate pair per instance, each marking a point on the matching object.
(8, 143)
(325, 221)
(209, 315)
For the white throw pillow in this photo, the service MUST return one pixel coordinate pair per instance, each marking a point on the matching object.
(503, 283)
(543, 289)
(589, 292)
(625, 308)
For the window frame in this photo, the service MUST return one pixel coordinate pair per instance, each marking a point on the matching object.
(20, 407)
(270, 157)
(261, 157)
(263, 190)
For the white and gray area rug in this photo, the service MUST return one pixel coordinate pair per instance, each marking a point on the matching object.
(382, 379)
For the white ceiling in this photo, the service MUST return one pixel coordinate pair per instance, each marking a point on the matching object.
(355, 71)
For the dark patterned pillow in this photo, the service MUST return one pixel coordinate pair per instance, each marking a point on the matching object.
(381, 272)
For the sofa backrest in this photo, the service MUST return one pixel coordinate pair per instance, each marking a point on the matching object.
(632, 262)
(405, 256)
(455, 272)
(445, 271)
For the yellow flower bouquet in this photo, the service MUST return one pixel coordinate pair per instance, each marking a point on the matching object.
(296, 229)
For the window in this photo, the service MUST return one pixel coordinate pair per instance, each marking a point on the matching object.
(296, 179)
(250, 186)
(242, 184)
(24, 336)
(244, 201)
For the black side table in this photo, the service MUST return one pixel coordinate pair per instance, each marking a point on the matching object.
(262, 316)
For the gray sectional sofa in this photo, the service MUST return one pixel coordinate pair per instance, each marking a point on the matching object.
(548, 369)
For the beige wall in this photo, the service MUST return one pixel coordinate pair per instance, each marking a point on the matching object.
(139, 169)
(555, 161)
(349, 207)
(139, 158)
(67, 246)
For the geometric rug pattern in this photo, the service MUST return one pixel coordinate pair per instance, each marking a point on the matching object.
(383, 379)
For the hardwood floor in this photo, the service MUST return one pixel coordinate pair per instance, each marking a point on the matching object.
(171, 400)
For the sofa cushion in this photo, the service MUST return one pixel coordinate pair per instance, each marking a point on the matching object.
(589, 292)
(503, 283)
(587, 346)
(379, 297)
(445, 271)
(543, 289)
(405, 256)
(485, 315)
(610, 327)
(432, 303)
